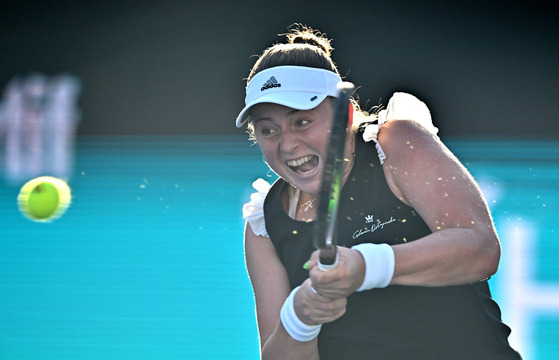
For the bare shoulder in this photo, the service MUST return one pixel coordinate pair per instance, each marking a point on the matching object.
(398, 136)
(413, 153)
(409, 146)
(425, 174)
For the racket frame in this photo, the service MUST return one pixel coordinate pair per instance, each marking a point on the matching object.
(325, 231)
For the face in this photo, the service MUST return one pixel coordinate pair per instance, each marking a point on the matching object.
(294, 142)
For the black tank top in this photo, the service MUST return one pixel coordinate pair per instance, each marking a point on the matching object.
(396, 322)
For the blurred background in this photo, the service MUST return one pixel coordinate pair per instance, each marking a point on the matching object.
(177, 67)
(141, 97)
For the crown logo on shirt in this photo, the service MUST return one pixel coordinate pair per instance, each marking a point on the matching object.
(369, 219)
(271, 83)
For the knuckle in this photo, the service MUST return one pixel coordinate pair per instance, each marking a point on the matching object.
(345, 272)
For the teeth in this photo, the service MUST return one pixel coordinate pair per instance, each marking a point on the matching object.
(295, 163)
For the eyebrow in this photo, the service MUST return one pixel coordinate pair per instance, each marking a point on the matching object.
(256, 121)
(289, 113)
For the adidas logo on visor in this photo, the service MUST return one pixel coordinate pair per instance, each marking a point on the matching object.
(271, 83)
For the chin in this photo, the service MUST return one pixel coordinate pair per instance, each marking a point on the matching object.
(309, 188)
(309, 184)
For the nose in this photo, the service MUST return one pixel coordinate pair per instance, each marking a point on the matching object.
(288, 141)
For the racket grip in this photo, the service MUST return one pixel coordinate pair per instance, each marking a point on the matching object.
(328, 258)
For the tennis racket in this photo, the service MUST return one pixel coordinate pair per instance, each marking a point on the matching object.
(326, 221)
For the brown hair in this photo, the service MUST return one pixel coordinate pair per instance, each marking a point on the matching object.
(304, 47)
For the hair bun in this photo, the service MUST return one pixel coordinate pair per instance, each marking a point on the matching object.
(305, 35)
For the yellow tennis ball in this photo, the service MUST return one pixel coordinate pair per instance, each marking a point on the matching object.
(44, 198)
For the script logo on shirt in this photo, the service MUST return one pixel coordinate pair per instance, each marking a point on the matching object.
(375, 224)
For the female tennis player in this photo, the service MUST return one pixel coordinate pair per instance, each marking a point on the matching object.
(416, 242)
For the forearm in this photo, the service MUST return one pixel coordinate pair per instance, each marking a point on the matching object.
(452, 256)
(282, 346)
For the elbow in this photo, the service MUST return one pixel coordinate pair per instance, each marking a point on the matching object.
(490, 257)
(492, 264)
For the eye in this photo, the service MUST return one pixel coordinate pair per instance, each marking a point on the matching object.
(265, 130)
(302, 122)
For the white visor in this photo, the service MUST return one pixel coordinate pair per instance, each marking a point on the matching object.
(297, 87)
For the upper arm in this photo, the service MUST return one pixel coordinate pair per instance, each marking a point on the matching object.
(269, 281)
(425, 174)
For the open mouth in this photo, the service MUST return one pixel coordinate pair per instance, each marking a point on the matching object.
(304, 165)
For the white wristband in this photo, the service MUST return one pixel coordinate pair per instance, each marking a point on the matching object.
(297, 329)
(379, 265)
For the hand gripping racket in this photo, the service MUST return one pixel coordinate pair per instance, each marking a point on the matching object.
(326, 221)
